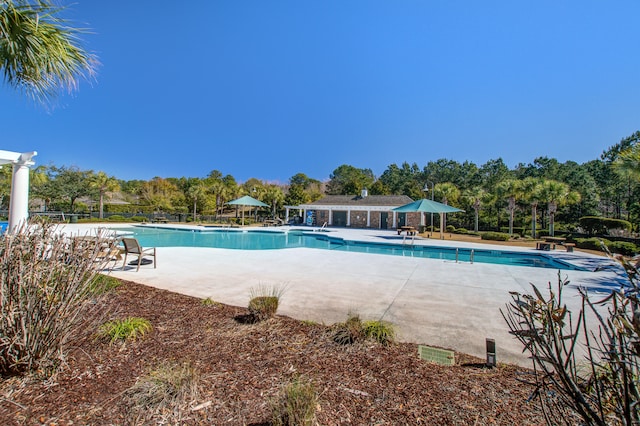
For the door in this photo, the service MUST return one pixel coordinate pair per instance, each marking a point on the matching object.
(402, 219)
(384, 220)
(339, 218)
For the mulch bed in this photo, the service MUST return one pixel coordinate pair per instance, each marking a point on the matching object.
(242, 367)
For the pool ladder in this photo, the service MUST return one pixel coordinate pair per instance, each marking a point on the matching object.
(470, 256)
(413, 238)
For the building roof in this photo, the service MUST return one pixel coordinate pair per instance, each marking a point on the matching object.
(357, 200)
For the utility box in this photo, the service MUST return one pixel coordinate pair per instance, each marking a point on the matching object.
(491, 353)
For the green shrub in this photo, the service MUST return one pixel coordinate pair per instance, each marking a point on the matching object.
(264, 301)
(451, 228)
(350, 331)
(461, 231)
(380, 331)
(602, 225)
(209, 302)
(495, 236)
(163, 395)
(354, 330)
(45, 291)
(296, 404)
(591, 243)
(125, 329)
(138, 219)
(116, 218)
(623, 247)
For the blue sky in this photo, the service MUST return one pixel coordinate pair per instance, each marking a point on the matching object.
(268, 89)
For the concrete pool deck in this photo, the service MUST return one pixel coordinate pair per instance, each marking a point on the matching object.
(431, 301)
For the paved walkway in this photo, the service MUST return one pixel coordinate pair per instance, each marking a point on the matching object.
(431, 301)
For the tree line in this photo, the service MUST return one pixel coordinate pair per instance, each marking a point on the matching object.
(494, 196)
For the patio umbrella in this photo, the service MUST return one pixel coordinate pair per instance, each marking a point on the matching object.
(428, 206)
(247, 201)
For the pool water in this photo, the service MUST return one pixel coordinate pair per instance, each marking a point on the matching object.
(269, 240)
(3, 227)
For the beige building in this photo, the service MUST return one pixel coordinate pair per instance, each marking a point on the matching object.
(360, 211)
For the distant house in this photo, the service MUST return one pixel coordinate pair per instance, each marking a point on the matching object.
(360, 211)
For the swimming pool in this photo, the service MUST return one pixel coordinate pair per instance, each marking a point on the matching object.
(273, 240)
(3, 226)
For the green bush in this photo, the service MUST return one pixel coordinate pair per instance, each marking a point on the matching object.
(461, 231)
(117, 218)
(139, 219)
(350, 331)
(623, 247)
(296, 404)
(354, 330)
(602, 225)
(209, 302)
(380, 331)
(495, 236)
(451, 228)
(591, 243)
(125, 329)
(264, 301)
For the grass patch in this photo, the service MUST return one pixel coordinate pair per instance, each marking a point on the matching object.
(350, 331)
(209, 302)
(381, 331)
(162, 396)
(264, 301)
(130, 328)
(354, 330)
(296, 404)
(102, 284)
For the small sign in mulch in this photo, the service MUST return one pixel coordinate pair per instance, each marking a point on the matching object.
(437, 355)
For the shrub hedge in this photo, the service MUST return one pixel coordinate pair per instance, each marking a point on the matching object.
(601, 225)
(495, 236)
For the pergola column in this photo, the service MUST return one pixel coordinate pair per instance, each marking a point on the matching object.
(19, 203)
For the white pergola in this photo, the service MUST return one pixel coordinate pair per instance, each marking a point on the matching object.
(19, 203)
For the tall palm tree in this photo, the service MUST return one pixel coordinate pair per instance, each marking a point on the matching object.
(629, 161)
(475, 196)
(103, 184)
(39, 52)
(531, 189)
(197, 191)
(510, 189)
(275, 197)
(446, 191)
(557, 194)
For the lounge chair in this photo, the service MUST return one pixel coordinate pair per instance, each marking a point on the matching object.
(132, 246)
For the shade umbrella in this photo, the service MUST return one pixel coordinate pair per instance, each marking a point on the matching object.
(428, 206)
(247, 201)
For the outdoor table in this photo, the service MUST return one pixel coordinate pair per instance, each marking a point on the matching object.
(410, 230)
